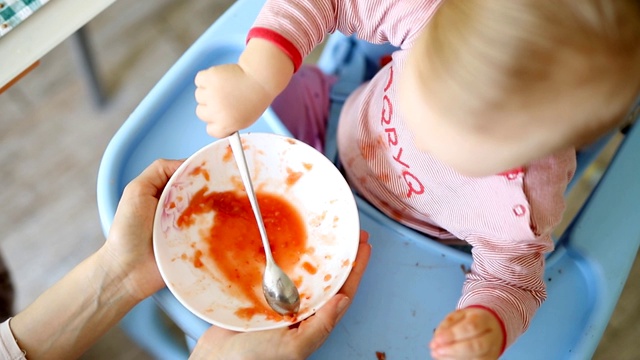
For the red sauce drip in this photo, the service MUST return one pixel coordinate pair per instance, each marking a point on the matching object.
(200, 171)
(293, 177)
(197, 261)
(235, 245)
(227, 155)
(309, 268)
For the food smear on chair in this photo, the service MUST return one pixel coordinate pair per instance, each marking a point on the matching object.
(234, 243)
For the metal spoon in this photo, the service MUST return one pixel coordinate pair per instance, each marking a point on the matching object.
(280, 292)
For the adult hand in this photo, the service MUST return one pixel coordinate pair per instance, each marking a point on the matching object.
(128, 250)
(99, 291)
(296, 342)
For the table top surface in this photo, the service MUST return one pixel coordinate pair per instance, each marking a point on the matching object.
(43, 30)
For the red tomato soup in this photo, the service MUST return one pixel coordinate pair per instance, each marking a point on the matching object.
(235, 245)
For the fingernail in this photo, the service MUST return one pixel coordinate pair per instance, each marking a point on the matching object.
(343, 305)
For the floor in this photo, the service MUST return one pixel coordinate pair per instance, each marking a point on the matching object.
(52, 138)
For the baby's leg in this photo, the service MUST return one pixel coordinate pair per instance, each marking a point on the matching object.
(303, 107)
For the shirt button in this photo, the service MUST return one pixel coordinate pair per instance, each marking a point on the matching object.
(519, 210)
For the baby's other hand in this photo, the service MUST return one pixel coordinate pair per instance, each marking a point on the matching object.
(228, 99)
(471, 333)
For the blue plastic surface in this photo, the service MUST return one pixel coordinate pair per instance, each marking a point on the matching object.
(412, 282)
(150, 331)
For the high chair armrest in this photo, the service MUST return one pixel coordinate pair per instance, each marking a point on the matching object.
(610, 214)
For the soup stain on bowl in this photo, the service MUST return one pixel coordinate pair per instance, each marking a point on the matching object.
(234, 242)
(220, 279)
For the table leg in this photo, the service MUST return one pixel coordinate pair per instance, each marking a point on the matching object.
(84, 57)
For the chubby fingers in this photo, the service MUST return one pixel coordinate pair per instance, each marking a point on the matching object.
(482, 347)
(201, 79)
(470, 333)
(203, 96)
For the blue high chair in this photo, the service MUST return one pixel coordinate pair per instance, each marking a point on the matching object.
(411, 282)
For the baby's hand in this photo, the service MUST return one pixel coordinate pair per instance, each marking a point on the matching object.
(472, 333)
(228, 99)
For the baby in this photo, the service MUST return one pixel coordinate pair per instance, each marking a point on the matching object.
(468, 133)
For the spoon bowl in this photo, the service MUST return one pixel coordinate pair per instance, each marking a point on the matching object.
(279, 291)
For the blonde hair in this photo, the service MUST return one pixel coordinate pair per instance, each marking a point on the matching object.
(480, 53)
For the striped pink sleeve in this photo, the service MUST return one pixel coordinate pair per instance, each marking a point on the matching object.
(296, 27)
(507, 280)
(507, 276)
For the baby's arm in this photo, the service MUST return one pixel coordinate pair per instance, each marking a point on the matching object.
(502, 292)
(233, 96)
(507, 276)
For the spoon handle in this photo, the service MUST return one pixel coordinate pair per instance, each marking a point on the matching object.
(241, 161)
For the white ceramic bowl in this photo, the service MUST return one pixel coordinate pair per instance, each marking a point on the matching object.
(211, 260)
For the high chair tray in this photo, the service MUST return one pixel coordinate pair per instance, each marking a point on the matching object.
(411, 282)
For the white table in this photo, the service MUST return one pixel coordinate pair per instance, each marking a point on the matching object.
(42, 31)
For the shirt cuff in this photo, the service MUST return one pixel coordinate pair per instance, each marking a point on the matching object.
(9, 348)
(280, 41)
(502, 326)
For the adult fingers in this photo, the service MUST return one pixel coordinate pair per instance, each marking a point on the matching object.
(153, 179)
(211, 344)
(359, 266)
(314, 331)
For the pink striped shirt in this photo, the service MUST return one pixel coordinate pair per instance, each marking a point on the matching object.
(508, 218)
